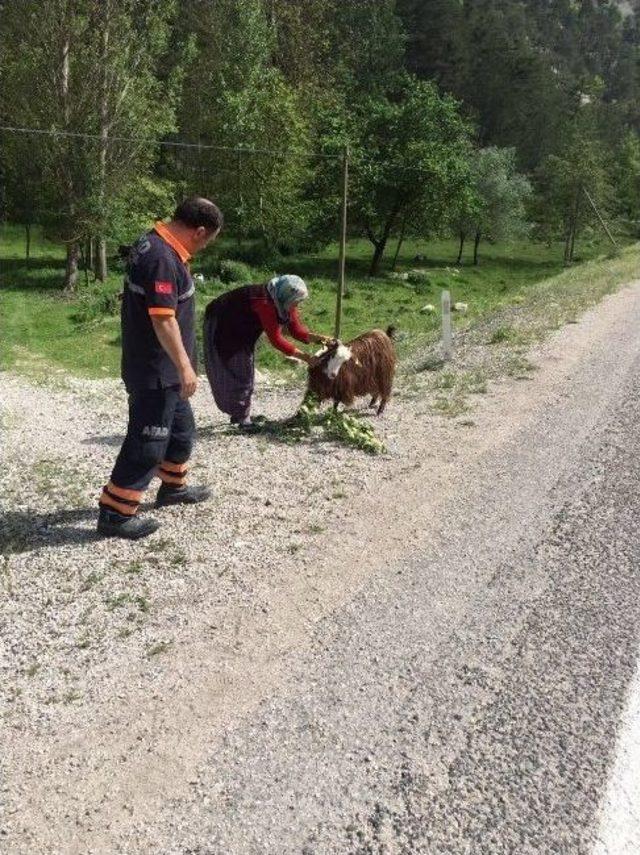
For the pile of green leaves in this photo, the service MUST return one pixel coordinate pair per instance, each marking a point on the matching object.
(331, 424)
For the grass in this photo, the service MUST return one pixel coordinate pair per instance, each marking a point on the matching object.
(509, 335)
(125, 598)
(43, 331)
(158, 648)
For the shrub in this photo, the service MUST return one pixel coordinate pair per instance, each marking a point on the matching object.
(418, 277)
(235, 271)
(96, 302)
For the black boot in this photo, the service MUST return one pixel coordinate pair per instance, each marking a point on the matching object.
(113, 524)
(168, 494)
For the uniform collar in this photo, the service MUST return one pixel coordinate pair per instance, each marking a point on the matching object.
(174, 243)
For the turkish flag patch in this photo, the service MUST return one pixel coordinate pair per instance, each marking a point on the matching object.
(164, 287)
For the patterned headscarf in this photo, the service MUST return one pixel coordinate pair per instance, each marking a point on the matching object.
(286, 292)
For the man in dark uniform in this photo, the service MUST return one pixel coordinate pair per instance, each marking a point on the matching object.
(159, 370)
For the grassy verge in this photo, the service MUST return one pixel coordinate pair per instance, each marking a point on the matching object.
(498, 343)
(43, 332)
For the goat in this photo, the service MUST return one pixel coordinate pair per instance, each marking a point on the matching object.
(363, 366)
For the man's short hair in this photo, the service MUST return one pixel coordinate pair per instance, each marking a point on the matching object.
(197, 212)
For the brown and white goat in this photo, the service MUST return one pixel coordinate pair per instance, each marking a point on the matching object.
(363, 366)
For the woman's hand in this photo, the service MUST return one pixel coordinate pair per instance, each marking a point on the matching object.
(327, 340)
(311, 361)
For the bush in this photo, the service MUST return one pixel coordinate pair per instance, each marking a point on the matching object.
(255, 255)
(418, 277)
(96, 302)
(235, 271)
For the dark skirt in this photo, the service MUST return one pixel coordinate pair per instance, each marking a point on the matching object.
(231, 379)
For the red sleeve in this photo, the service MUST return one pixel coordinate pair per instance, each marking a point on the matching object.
(296, 327)
(266, 311)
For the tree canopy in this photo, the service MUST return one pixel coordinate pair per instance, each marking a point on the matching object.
(423, 92)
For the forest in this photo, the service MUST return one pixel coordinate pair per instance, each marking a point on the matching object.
(475, 120)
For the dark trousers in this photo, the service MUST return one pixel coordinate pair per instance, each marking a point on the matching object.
(160, 433)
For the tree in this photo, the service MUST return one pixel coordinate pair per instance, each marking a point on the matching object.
(627, 179)
(410, 161)
(233, 97)
(435, 40)
(130, 37)
(495, 207)
(582, 164)
(53, 82)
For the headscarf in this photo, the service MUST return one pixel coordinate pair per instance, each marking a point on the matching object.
(286, 292)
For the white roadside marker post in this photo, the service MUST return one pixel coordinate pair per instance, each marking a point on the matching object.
(447, 342)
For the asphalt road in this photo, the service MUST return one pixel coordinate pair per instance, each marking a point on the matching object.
(473, 699)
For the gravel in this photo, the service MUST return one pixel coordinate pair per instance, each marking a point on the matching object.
(123, 664)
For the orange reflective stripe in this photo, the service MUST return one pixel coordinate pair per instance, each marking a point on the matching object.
(126, 510)
(123, 493)
(165, 233)
(158, 311)
(178, 468)
(178, 480)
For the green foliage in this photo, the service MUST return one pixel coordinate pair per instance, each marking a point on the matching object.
(502, 193)
(234, 96)
(147, 200)
(565, 179)
(102, 79)
(419, 277)
(410, 160)
(339, 426)
(96, 302)
(235, 272)
(627, 179)
(493, 206)
(409, 85)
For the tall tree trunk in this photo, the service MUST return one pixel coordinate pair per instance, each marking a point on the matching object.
(83, 261)
(462, 240)
(101, 253)
(576, 216)
(572, 243)
(567, 242)
(476, 244)
(377, 256)
(89, 254)
(71, 269)
(100, 260)
(572, 228)
(27, 236)
(381, 244)
(400, 242)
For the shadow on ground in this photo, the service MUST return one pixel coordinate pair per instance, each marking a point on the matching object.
(24, 531)
(114, 440)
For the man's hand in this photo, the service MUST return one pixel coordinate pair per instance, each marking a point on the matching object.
(188, 382)
(168, 332)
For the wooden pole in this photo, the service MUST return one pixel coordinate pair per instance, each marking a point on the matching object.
(597, 213)
(343, 242)
(447, 341)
